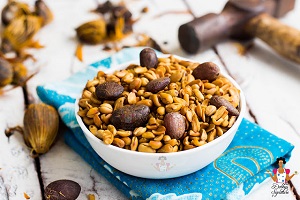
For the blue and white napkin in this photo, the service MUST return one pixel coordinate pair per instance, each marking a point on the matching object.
(244, 163)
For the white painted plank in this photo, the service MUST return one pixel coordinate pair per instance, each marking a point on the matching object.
(57, 59)
(63, 163)
(57, 62)
(55, 164)
(17, 168)
(200, 8)
(271, 84)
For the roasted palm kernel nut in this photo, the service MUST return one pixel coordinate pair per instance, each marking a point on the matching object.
(148, 58)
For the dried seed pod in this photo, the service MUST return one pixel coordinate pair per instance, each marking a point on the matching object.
(6, 73)
(119, 19)
(20, 73)
(121, 11)
(40, 127)
(13, 10)
(20, 32)
(104, 8)
(62, 190)
(92, 32)
(148, 58)
(43, 11)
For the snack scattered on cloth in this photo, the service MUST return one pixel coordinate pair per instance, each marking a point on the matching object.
(244, 163)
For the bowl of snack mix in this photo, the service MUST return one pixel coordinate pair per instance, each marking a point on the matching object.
(160, 117)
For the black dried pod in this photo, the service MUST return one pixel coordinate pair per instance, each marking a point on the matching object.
(62, 190)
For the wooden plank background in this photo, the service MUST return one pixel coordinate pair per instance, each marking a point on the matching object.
(271, 85)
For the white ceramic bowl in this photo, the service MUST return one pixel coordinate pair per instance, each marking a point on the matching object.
(162, 165)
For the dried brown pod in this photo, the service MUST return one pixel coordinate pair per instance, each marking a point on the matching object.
(104, 7)
(116, 11)
(20, 32)
(62, 190)
(20, 73)
(40, 127)
(6, 72)
(13, 10)
(42, 10)
(92, 32)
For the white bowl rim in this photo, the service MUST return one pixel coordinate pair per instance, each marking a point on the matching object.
(203, 147)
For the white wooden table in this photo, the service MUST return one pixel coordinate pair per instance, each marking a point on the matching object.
(271, 85)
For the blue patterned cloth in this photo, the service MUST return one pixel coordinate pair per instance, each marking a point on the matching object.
(242, 165)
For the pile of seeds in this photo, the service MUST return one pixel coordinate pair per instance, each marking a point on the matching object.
(162, 105)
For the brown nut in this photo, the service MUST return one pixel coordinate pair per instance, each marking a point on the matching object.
(109, 90)
(220, 101)
(167, 148)
(206, 71)
(148, 58)
(130, 116)
(175, 125)
(166, 98)
(62, 189)
(144, 147)
(156, 85)
(173, 107)
(105, 108)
